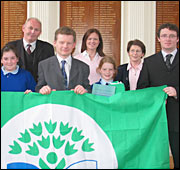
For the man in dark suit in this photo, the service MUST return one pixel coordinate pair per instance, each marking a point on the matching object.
(163, 69)
(31, 50)
(63, 72)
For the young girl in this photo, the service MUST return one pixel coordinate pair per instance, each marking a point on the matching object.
(14, 78)
(107, 70)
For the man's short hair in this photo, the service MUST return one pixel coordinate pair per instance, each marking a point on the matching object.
(65, 31)
(169, 26)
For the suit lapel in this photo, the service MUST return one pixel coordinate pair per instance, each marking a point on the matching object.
(174, 63)
(73, 72)
(56, 67)
(21, 53)
(37, 52)
(161, 61)
(57, 71)
(176, 60)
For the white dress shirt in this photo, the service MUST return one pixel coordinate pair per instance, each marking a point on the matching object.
(173, 55)
(33, 45)
(67, 65)
(93, 64)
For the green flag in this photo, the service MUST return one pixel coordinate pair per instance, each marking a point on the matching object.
(65, 130)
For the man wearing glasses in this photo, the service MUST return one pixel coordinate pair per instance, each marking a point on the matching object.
(163, 69)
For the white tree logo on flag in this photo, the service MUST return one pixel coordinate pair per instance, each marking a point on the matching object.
(44, 142)
(50, 136)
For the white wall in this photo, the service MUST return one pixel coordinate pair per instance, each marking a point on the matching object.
(137, 21)
(48, 13)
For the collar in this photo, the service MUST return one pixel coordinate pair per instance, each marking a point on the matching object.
(139, 67)
(103, 82)
(5, 72)
(33, 44)
(173, 53)
(86, 55)
(68, 59)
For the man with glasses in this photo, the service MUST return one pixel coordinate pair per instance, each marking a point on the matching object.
(162, 68)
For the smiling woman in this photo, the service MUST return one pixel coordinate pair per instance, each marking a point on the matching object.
(129, 73)
(92, 52)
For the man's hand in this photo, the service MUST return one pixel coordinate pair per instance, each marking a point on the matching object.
(171, 91)
(45, 90)
(79, 89)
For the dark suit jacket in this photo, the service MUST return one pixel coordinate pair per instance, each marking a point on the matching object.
(155, 73)
(50, 74)
(123, 75)
(43, 50)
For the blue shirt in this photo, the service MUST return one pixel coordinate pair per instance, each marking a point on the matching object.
(19, 80)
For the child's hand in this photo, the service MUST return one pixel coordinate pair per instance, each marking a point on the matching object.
(79, 89)
(27, 91)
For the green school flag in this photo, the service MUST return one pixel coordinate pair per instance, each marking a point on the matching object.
(64, 130)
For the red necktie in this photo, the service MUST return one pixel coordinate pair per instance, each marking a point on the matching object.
(28, 49)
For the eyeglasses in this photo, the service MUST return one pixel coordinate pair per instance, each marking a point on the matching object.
(135, 51)
(171, 36)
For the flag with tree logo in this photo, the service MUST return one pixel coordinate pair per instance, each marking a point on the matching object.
(64, 130)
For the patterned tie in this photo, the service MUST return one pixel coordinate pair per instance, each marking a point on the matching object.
(28, 49)
(168, 63)
(64, 72)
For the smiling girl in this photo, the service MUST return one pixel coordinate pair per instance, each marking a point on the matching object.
(14, 78)
(107, 70)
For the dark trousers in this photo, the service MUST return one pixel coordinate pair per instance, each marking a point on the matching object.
(174, 143)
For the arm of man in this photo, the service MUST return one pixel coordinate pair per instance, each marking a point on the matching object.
(41, 79)
(86, 84)
(172, 92)
(80, 82)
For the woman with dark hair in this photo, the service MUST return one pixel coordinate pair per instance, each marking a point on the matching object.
(14, 78)
(92, 52)
(129, 73)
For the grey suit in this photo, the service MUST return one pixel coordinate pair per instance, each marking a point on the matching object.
(49, 73)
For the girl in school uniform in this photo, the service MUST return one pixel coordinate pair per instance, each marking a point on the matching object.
(107, 70)
(14, 78)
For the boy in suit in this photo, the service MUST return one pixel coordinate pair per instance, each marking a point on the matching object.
(163, 69)
(31, 50)
(63, 72)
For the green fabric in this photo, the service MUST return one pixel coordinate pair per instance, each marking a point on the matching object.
(134, 121)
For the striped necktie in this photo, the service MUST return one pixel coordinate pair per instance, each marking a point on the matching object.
(168, 63)
(64, 72)
(29, 49)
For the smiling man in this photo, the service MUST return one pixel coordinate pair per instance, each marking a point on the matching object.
(31, 50)
(63, 72)
(163, 69)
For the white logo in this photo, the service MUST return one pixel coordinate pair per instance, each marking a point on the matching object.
(55, 136)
